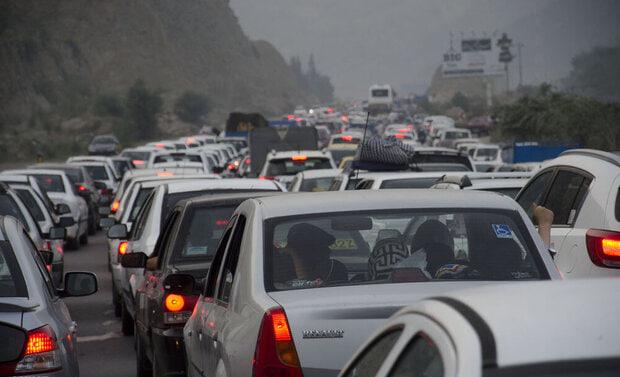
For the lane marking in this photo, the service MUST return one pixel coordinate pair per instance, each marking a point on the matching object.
(96, 338)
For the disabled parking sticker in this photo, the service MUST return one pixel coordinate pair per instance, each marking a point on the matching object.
(502, 231)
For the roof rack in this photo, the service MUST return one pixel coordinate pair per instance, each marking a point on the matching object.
(605, 156)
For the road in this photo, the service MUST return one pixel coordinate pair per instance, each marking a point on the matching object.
(103, 351)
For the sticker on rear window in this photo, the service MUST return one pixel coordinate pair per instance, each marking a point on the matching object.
(502, 231)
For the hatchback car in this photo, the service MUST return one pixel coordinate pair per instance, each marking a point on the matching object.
(582, 188)
(299, 281)
(466, 333)
(282, 166)
(313, 180)
(30, 301)
(104, 145)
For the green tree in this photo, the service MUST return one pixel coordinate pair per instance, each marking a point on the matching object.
(191, 107)
(460, 100)
(109, 105)
(142, 106)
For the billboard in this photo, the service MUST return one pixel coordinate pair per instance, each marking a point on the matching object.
(472, 57)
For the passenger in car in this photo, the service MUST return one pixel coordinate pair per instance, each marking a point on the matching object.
(308, 246)
(435, 240)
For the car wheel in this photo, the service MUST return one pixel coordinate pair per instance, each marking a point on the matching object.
(144, 367)
(72, 244)
(84, 239)
(127, 325)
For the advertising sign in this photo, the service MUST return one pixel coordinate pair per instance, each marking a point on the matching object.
(472, 57)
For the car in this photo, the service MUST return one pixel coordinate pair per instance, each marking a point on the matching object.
(340, 151)
(398, 180)
(396, 129)
(46, 343)
(581, 188)
(139, 156)
(180, 157)
(101, 171)
(150, 218)
(184, 250)
(352, 137)
(104, 145)
(61, 191)
(240, 143)
(446, 137)
(300, 280)
(543, 328)
(313, 180)
(504, 183)
(487, 156)
(480, 125)
(119, 164)
(283, 165)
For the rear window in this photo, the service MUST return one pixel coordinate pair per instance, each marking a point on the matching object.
(31, 204)
(177, 157)
(200, 234)
(104, 140)
(289, 166)
(12, 282)
(487, 153)
(409, 183)
(134, 155)
(75, 175)
(8, 207)
(98, 173)
(316, 184)
(138, 202)
(381, 247)
(50, 182)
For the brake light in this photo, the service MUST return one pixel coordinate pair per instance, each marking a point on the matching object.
(174, 303)
(81, 188)
(247, 160)
(115, 205)
(221, 222)
(266, 177)
(604, 247)
(165, 174)
(231, 167)
(399, 136)
(329, 111)
(408, 126)
(345, 118)
(42, 354)
(347, 137)
(178, 309)
(403, 130)
(137, 162)
(122, 248)
(47, 245)
(275, 353)
(290, 117)
(159, 145)
(298, 119)
(299, 158)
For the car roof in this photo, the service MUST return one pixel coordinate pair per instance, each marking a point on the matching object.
(215, 184)
(397, 199)
(221, 199)
(31, 171)
(309, 153)
(587, 158)
(535, 322)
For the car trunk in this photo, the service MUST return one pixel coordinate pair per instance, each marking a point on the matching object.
(329, 324)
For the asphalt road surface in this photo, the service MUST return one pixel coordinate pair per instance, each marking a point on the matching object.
(102, 349)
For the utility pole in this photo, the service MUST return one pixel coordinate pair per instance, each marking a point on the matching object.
(505, 56)
(519, 45)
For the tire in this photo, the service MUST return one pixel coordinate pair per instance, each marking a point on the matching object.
(127, 325)
(144, 368)
(84, 238)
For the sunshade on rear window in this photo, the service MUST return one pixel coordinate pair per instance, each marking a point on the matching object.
(399, 246)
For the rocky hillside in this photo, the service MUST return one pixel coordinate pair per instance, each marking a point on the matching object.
(59, 54)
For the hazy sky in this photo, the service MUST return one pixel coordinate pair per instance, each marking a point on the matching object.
(401, 42)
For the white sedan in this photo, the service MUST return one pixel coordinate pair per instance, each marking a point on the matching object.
(535, 329)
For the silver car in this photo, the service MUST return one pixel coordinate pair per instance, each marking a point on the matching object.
(299, 281)
(29, 302)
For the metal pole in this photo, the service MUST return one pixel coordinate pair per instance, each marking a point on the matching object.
(519, 45)
(507, 82)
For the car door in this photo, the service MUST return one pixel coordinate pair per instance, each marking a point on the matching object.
(221, 341)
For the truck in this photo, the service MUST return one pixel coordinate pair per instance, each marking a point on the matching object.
(535, 151)
(380, 98)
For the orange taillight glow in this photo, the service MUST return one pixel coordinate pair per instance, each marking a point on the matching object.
(403, 130)
(174, 303)
(122, 248)
(40, 340)
(280, 328)
(611, 247)
(81, 188)
(347, 138)
(138, 162)
(115, 205)
(165, 174)
(399, 136)
(290, 117)
(299, 158)
(159, 145)
(345, 118)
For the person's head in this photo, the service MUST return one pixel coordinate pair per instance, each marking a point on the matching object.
(432, 231)
(309, 240)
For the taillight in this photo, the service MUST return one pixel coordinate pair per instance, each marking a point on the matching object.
(275, 353)
(299, 158)
(347, 138)
(122, 248)
(115, 205)
(81, 188)
(42, 354)
(266, 177)
(178, 309)
(231, 167)
(137, 162)
(604, 247)
(399, 136)
(165, 174)
(47, 245)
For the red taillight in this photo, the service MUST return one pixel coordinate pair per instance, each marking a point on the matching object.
(122, 248)
(105, 191)
(408, 126)
(174, 303)
(266, 177)
(165, 174)
(42, 353)
(299, 158)
(41, 340)
(221, 222)
(231, 167)
(399, 136)
(137, 162)
(604, 247)
(160, 146)
(247, 160)
(403, 130)
(178, 309)
(81, 188)
(275, 353)
(290, 117)
(347, 137)
(47, 245)
(298, 119)
(115, 205)
(345, 118)
(329, 111)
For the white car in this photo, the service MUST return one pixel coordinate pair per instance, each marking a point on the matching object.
(300, 280)
(446, 137)
(507, 183)
(61, 191)
(533, 329)
(398, 180)
(153, 213)
(140, 155)
(487, 156)
(282, 166)
(101, 171)
(313, 180)
(581, 188)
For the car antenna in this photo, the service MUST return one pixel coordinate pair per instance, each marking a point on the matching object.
(357, 173)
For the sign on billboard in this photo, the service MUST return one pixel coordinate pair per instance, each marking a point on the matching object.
(472, 57)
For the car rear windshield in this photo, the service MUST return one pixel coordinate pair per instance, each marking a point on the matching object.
(134, 155)
(50, 182)
(290, 166)
(200, 234)
(409, 183)
(104, 140)
(98, 173)
(12, 282)
(177, 157)
(8, 207)
(486, 153)
(399, 246)
(316, 184)
(75, 175)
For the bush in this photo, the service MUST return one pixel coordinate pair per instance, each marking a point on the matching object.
(109, 105)
(142, 107)
(191, 107)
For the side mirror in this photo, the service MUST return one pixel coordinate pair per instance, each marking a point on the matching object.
(179, 283)
(118, 231)
(106, 222)
(66, 221)
(14, 344)
(104, 201)
(62, 209)
(58, 233)
(104, 210)
(48, 256)
(79, 284)
(134, 260)
(100, 185)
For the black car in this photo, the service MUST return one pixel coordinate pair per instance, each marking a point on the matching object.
(181, 258)
(104, 144)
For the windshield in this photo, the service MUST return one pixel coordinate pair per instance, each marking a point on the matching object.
(289, 166)
(409, 183)
(98, 173)
(399, 246)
